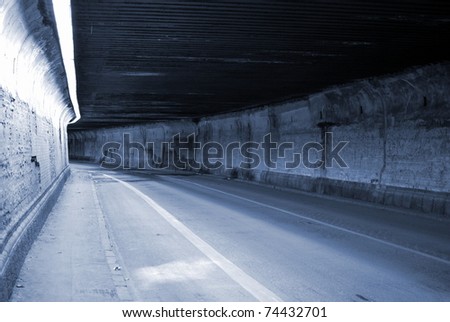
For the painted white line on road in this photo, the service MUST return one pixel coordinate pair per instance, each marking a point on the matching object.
(255, 288)
(416, 252)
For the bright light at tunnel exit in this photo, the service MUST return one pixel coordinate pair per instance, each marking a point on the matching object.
(63, 16)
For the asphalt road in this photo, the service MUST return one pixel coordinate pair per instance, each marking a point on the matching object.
(179, 237)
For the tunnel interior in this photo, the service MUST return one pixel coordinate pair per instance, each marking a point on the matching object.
(234, 72)
(342, 99)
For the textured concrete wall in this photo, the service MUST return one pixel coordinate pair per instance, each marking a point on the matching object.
(397, 129)
(35, 109)
(90, 145)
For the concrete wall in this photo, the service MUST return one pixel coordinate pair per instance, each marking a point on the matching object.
(35, 110)
(397, 129)
(90, 145)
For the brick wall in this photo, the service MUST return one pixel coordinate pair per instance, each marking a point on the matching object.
(31, 156)
(34, 106)
(35, 109)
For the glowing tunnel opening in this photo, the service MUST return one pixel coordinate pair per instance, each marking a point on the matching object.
(63, 16)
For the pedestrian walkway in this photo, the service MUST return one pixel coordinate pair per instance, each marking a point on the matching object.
(72, 258)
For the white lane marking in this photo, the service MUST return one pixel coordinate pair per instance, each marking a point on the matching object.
(416, 252)
(255, 288)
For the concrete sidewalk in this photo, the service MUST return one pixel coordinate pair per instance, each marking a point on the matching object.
(72, 258)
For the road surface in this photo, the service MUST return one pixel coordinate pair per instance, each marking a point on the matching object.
(149, 236)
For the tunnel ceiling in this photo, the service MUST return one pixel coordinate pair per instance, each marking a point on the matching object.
(158, 60)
